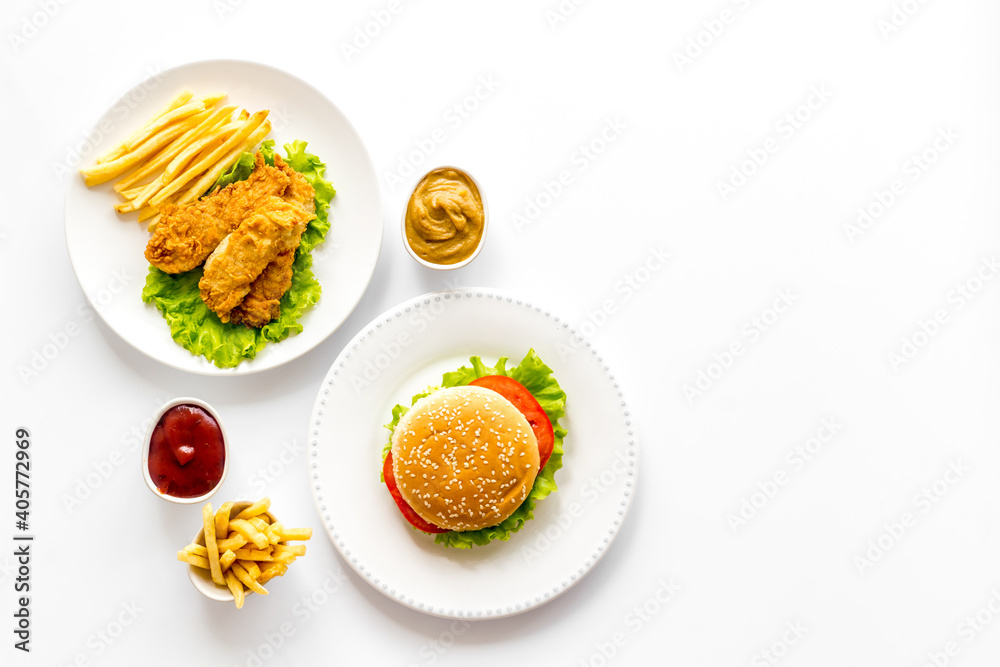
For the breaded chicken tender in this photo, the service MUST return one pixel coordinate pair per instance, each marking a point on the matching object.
(246, 234)
(262, 302)
(231, 269)
(186, 235)
(299, 191)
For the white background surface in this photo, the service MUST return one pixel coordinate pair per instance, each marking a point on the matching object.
(677, 131)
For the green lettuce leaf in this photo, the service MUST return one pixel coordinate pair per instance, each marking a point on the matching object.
(536, 378)
(310, 166)
(198, 329)
(240, 171)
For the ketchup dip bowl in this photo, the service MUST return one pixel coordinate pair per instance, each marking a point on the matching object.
(192, 460)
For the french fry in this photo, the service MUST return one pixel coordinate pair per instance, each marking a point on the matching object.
(233, 542)
(208, 519)
(180, 113)
(253, 554)
(227, 559)
(236, 587)
(246, 579)
(197, 550)
(184, 157)
(249, 531)
(152, 211)
(149, 139)
(210, 160)
(256, 509)
(230, 541)
(119, 149)
(106, 171)
(126, 207)
(211, 120)
(150, 165)
(212, 175)
(151, 214)
(259, 523)
(132, 193)
(294, 549)
(297, 534)
(251, 567)
(193, 559)
(200, 148)
(174, 158)
(285, 558)
(270, 571)
(222, 519)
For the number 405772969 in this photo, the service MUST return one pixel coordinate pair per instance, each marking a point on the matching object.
(22, 478)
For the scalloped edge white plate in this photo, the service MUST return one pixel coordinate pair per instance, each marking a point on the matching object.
(400, 353)
(106, 249)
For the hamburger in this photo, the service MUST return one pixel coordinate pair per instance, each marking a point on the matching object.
(464, 458)
(468, 460)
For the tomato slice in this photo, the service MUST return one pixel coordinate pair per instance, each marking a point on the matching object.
(518, 394)
(411, 516)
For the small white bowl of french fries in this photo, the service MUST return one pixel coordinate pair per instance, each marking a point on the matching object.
(239, 548)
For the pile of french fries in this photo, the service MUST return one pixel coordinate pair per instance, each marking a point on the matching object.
(244, 551)
(178, 154)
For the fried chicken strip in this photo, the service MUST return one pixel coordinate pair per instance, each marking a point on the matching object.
(299, 191)
(262, 302)
(231, 269)
(187, 235)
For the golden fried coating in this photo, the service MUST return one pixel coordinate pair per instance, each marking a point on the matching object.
(275, 226)
(246, 234)
(186, 235)
(262, 302)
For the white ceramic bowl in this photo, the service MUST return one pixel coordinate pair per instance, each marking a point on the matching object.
(184, 400)
(482, 239)
(202, 578)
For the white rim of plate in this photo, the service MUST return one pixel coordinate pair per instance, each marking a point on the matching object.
(577, 572)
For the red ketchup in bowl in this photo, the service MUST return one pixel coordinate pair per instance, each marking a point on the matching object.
(187, 453)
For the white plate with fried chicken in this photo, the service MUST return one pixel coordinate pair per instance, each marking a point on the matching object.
(236, 242)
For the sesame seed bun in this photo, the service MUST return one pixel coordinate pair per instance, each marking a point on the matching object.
(464, 458)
